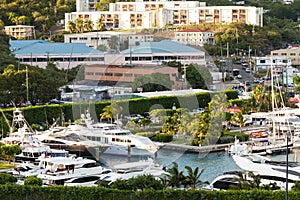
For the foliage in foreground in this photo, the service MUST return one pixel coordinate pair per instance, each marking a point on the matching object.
(9, 192)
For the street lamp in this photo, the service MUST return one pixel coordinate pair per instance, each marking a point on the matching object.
(174, 107)
(184, 75)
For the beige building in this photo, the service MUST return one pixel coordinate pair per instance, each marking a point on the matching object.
(194, 37)
(159, 13)
(120, 74)
(94, 39)
(292, 52)
(20, 31)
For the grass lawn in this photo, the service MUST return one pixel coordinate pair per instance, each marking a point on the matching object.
(4, 165)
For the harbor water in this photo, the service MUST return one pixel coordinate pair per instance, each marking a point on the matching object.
(213, 163)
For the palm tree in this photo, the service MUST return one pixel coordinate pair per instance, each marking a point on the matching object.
(116, 110)
(237, 118)
(107, 114)
(100, 26)
(88, 25)
(193, 177)
(79, 25)
(113, 42)
(71, 27)
(175, 177)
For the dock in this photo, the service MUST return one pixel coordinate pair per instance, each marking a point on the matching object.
(197, 149)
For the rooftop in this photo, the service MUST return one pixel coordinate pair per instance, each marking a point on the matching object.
(193, 30)
(42, 47)
(164, 46)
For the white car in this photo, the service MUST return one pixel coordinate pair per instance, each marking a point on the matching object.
(239, 76)
(247, 70)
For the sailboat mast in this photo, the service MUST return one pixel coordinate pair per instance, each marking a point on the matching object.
(273, 99)
(27, 89)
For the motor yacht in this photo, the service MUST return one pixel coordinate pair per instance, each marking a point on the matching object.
(268, 169)
(59, 170)
(129, 170)
(33, 153)
(121, 142)
(230, 180)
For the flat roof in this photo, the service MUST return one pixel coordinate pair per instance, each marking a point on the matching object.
(164, 46)
(44, 48)
(170, 93)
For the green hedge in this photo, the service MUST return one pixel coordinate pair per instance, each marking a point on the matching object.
(162, 137)
(70, 112)
(12, 192)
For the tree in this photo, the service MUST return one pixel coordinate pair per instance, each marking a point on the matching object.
(113, 42)
(10, 151)
(33, 180)
(7, 178)
(175, 176)
(88, 25)
(198, 76)
(102, 47)
(71, 27)
(100, 26)
(116, 110)
(193, 177)
(237, 118)
(107, 113)
(102, 5)
(79, 25)
(217, 116)
(150, 84)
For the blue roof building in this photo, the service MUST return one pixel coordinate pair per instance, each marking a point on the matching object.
(165, 50)
(64, 55)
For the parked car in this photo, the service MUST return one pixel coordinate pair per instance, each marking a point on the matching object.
(247, 70)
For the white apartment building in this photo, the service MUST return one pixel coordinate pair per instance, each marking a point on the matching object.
(194, 37)
(20, 31)
(278, 63)
(94, 39)
(292, 52)
(159, 13)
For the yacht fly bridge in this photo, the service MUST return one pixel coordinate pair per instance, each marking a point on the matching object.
(24, 136)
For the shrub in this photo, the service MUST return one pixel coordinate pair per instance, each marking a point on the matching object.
(7, 178)
(33, 180)
(162, 137)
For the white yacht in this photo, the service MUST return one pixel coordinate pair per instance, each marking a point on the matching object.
(121, 142)
(269, 169)
(129, 170)
(230, 180)
(24, 135)
(59, 170)
(32, 153)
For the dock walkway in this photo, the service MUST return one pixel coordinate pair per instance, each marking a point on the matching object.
(196, 149)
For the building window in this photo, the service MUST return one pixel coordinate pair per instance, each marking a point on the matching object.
(118, 74)
(89, 73)
(262, 61)
(108, 74)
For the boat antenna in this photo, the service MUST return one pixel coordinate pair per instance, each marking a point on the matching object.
(6, 120)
